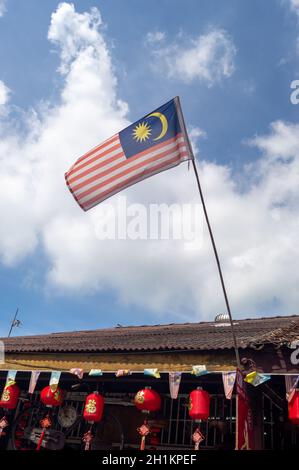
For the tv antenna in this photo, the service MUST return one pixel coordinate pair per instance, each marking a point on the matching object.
(15, 323)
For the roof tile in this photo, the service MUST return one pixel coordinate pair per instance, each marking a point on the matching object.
(186, 336)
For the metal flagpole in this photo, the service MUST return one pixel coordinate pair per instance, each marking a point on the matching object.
(183, 127)
(218, 264)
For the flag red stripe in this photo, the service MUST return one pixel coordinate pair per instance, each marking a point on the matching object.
(119, 157)
(130, 159)
(124, 163)
(137, 176)
(97, 148)
(130, 181)
(77, 168)
(117, 163)
(128, 170)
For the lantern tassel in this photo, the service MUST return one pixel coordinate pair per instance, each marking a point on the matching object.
(87, 438)
(3, 424)
(45, 423)
(144, 430)
(41, 439)
(197, 438)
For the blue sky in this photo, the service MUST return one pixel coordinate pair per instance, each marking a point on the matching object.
(232, 98)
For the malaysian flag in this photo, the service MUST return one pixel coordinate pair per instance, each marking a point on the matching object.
(153, 144)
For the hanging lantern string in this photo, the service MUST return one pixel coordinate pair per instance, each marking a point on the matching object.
(132, 371)
(189, 371)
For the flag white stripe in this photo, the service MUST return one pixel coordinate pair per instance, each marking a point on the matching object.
(116, 180)
(130, 183)
(100, 159)
(129, 175)
(128, 164)
(99, 171)
(98, 150)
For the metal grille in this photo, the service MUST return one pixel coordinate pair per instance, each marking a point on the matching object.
(219, 430)
(108, 433)
(77, 401)
(278, 432)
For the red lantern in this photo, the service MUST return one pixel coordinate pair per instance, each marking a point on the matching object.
(294, 408)
(10, 396)
(147, 400)
(94, 407)
(199, 405)
(51, 397)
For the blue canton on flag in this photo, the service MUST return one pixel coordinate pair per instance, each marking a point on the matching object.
(153, 144)
(153, 129)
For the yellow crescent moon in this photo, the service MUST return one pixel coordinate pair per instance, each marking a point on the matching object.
(163, 122)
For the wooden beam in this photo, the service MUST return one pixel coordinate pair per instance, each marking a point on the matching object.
(114, 361)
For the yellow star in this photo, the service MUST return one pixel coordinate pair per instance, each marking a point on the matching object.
(142, 132)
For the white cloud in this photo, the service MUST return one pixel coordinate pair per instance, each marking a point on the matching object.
(256, 230)
(195, 134)
(294, 7)
(155, 36)
(283, 142)
(4, 93)
(32, 189)
(208, 58)
(75, 33)
(2, 7)
(294, 4)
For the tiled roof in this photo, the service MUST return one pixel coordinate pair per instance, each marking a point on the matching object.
(187, 336)
(280, 336)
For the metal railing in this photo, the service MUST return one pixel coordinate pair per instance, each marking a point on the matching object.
(219, 430)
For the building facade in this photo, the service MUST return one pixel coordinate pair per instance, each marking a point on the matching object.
(266, 345)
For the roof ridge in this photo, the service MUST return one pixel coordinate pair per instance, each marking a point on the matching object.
(204, 328)
(162, 325)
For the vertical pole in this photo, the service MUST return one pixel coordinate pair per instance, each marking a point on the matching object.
(218, 264)
(184, 130)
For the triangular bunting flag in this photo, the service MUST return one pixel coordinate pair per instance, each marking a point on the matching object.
(255, 378)
(33, 380)
(174, 384)
(199, 370)
(95, 372)
(228, 379)
(122, 372)
(78, 372)
(54, 380)
(152, 373)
